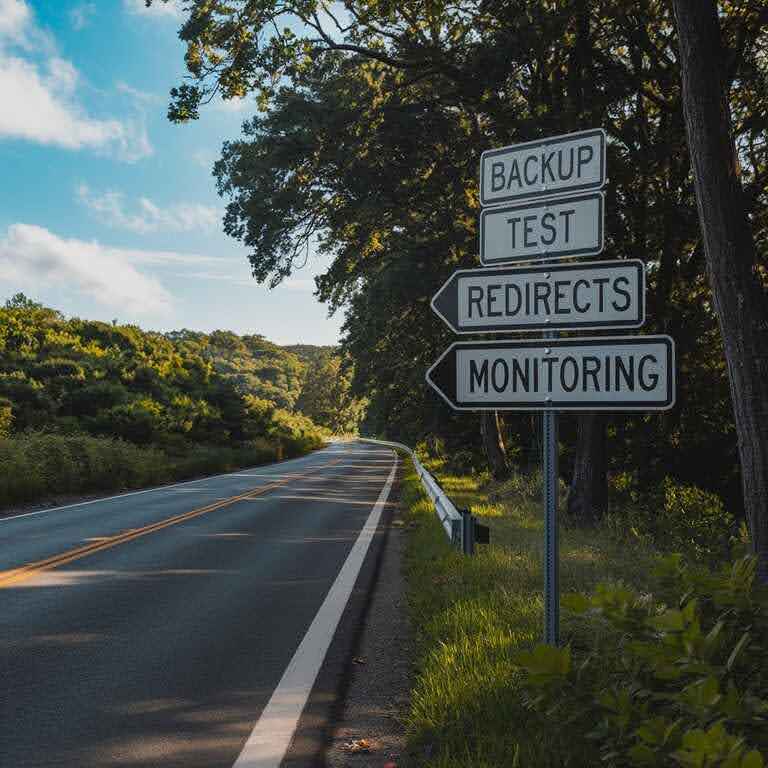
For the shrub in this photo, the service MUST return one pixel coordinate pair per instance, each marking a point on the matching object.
(671, 679)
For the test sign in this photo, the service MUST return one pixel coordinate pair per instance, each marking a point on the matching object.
(596, 374)
(544, 229)
(601, 294)
(570, 163)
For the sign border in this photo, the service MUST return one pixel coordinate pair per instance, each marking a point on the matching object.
(592, 405)
(545, 255)
(556, 326)
(559, 139)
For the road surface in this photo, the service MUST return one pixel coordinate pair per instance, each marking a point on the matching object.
(181, 626)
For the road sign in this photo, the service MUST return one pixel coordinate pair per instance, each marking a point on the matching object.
(594, 374)
(544, 229)
(601, 294)
(568, 163)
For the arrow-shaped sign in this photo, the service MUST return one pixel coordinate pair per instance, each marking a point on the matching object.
(596, 295)
(621, 373)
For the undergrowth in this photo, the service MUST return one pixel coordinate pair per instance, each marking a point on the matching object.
(473, 702)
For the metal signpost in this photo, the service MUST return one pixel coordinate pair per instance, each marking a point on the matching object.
(541, 200)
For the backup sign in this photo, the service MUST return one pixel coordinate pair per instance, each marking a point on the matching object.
(569, 163)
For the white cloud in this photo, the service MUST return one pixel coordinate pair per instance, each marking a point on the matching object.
(158, 7)
(80, 16)
(38, 89)
(145, 216)
(31, 255)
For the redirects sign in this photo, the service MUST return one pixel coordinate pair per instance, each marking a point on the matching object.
(568, 163)
(602, 294)
(545, 229)
(608, 374)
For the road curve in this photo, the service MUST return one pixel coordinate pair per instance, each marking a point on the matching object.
(155, 629)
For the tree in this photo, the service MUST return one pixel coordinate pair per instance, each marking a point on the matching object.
(739, 293)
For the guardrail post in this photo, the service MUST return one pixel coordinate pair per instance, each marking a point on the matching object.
(468, 532)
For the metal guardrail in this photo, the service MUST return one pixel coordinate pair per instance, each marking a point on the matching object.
(459, 525)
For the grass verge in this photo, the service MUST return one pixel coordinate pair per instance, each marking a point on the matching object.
(470, 615)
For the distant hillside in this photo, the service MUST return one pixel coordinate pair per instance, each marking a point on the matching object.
(310, 353)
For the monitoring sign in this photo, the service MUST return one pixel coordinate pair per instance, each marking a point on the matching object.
(601, 294)
(545, 229)
(595, 374)
(570, 163)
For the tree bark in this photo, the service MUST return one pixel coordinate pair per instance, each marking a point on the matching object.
(740, 300)
(588, 495)
(493, 444)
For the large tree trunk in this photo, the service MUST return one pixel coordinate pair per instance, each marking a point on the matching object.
(588, 495)
(493, 444)
(740, 300)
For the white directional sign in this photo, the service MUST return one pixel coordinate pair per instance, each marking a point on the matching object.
(570, 163)
(600, 294)
(606, 374)
(544, 229)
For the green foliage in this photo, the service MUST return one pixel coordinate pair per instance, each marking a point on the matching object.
(676, 516)
(327, 398)
(683, 686)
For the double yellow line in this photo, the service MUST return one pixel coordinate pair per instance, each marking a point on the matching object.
(13, 577)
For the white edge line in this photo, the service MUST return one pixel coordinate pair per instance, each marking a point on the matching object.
(273, 733)
(151, 490)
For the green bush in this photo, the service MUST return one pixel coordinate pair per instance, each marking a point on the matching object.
(677, 678)
(37, 465)
(676, 517)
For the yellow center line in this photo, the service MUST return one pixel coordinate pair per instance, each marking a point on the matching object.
(24, 572)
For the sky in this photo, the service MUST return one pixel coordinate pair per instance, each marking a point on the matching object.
(107, 210)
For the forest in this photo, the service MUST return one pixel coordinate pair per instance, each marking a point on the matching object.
(88, 405)
(366, 142)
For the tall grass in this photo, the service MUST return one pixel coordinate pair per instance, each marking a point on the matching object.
(472, 614)
(40, 465)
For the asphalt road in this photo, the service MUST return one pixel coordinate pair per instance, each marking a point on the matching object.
(152, 629)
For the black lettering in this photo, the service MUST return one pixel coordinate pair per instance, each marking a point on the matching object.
(491, 300)
(508, 304)
(541, 292)
(560, 294)
(528, 159)
(546, 166)
(497, 177)
(527, 298)
(520, 373)
(600, 282)
(586, 153)
(624, 307)
(475, 298)
(567, 216)
(478, 377)
(514, 222)
(591, 367)
(528, 230)
(653, 378)
(564, 176)
(580, 307)
(549, 362)
(514, 175)
(500, 363)
(575, 376)
(545, 219)
(628, 374)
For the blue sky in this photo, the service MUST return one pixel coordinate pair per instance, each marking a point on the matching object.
(106, 209)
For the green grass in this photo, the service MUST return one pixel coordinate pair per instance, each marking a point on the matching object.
(39, 465)
(472, 614)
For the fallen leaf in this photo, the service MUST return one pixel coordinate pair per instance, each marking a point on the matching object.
(358, 745)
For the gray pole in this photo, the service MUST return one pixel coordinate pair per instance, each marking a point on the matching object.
(551, 542)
